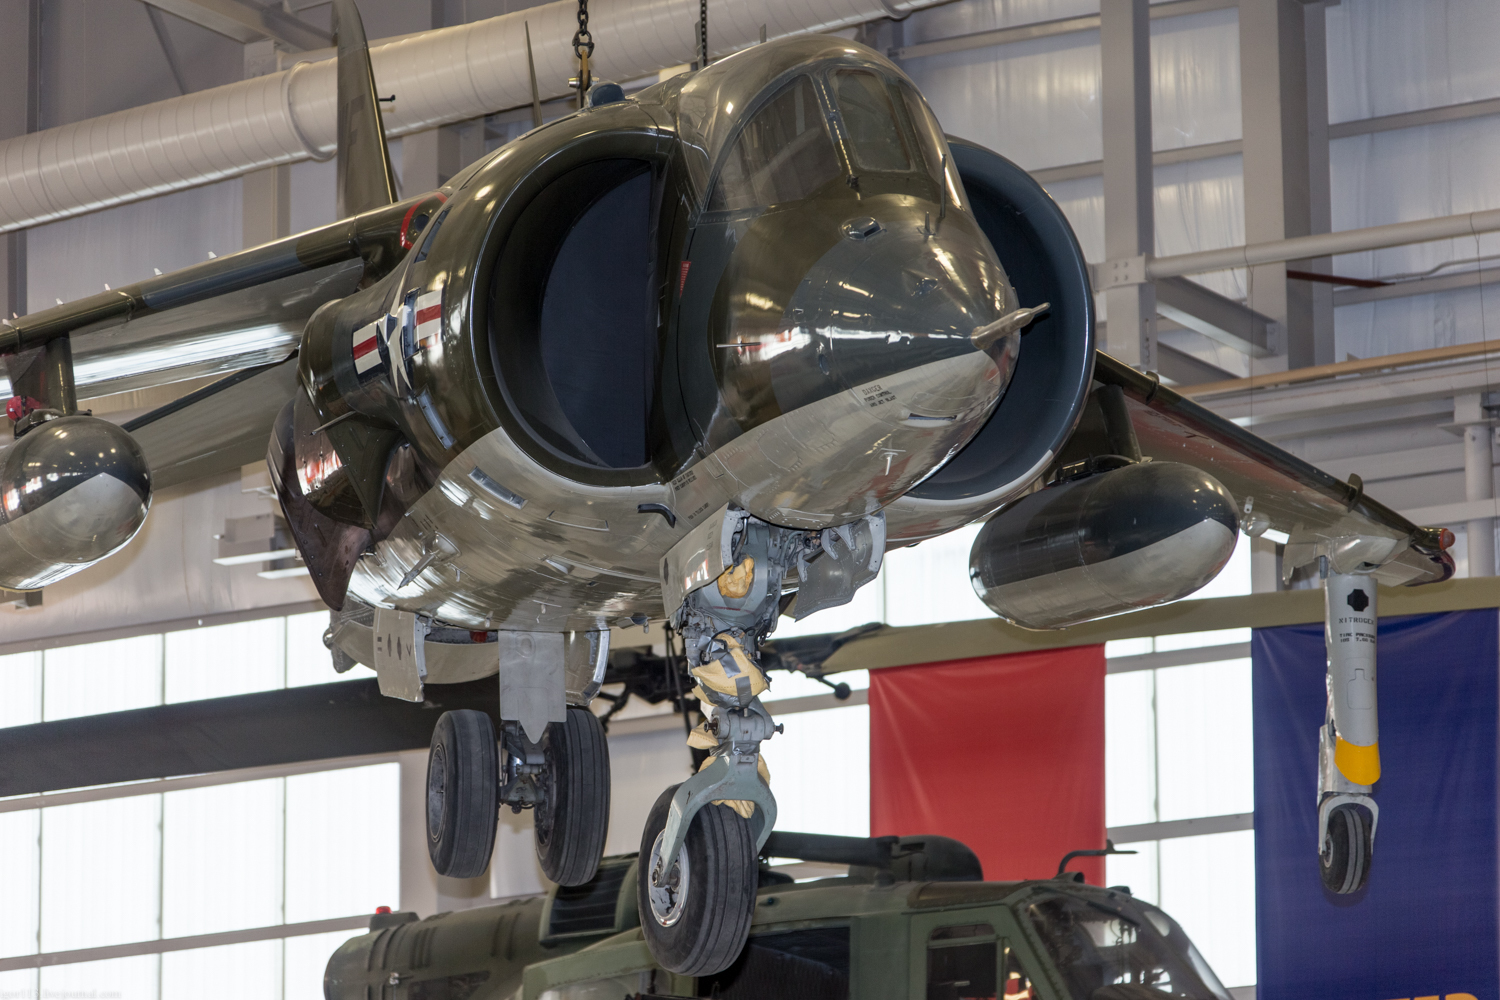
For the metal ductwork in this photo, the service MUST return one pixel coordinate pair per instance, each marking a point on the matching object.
(438, 77)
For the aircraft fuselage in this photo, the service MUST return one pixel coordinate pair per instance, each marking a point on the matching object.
(757, 285)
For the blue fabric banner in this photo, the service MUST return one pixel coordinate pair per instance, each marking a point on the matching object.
(1427, 924)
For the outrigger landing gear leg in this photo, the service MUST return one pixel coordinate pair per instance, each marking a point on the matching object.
(1348, 742)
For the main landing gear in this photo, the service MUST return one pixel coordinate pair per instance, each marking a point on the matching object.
(564, 779)
(698, 872)
(563, 776)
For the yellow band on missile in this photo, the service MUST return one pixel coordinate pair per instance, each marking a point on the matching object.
(1360, 765)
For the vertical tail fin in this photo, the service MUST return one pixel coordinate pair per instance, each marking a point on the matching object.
(365, 177)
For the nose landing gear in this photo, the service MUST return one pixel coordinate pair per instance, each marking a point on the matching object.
(722, 585)
(696, 910)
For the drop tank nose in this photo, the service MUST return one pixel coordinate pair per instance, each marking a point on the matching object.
(1115, 541)
(72, 491)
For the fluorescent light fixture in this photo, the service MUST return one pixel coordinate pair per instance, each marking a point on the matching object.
(1272, 535)
(255, 557)
(283, 574)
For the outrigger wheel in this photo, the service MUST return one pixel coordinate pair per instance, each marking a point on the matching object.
(462, 788)
(1347, 850)
(697, 921)
(572, 809)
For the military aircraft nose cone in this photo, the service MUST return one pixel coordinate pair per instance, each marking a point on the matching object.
(891, 298)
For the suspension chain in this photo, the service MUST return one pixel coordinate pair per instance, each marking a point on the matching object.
(702, 33)
(583, 48)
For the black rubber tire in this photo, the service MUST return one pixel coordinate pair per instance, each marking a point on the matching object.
(462, 791)
(720, 899)
(572, 817)
(1347, 850)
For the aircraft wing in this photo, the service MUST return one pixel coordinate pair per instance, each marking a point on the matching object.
(216, 335)
(219, 315)
(1321, 514)
(220, 427)
(242, 313)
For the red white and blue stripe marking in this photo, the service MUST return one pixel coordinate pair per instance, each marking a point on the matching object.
(366, 347)
(427, 319)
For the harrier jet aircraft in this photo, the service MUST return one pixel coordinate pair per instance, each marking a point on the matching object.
(701, 356)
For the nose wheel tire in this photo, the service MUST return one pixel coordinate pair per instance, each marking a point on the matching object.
(1347, 850)
(572, 812)
(462, 787)
(697, 922)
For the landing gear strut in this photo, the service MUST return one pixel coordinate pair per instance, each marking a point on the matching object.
(722, 585)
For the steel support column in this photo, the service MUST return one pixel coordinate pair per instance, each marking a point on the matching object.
(1479, 478)
(1319, 190)
(1277, 169)
(20, 77)
(1129, 189)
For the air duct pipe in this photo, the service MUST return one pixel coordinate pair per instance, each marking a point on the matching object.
(438, 77)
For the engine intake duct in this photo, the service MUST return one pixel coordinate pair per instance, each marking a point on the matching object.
(1104, 543)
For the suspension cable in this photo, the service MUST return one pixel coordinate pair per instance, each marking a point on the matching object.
(702, 33)
(583, 48)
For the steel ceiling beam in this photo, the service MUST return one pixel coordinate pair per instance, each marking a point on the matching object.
(1231, 323)
(1046, 29)
(246, 22)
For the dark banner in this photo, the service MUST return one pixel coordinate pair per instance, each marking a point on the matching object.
(1426, 924)
(1005, 753)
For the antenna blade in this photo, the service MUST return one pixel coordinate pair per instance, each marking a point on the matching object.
(365, 178)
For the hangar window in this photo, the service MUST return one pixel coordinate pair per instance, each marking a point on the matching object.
(573, 314)
(783, 154)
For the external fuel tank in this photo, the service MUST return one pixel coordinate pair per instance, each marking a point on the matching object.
(72, 491)
(1101, 544)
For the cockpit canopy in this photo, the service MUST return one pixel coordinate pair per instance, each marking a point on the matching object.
(779, 151)
(789, 149)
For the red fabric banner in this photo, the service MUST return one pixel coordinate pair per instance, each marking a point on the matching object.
(1005, 753)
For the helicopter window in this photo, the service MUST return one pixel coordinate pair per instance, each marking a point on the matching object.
(870, 121)
(783, 154)
(961, 963)
(1107, 954)
(1016, 984)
